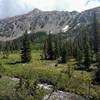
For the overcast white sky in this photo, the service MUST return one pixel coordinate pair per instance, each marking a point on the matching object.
(15, 7)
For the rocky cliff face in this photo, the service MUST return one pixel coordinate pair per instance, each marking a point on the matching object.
(55, 21)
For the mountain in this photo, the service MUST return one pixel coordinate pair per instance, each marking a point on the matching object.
(35, 20)
(55, 21)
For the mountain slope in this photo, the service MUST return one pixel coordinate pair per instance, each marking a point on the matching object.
(37, 20)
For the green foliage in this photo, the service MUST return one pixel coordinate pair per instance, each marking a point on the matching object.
(96, 39)
(77, 52)
(56, 48)
(2, 69)
(48, 48)
(38, 40)
(60, 42)
(96, 77)
(86, 50)
(26, 50)
(29, 90)
(63, 77)
(63, 54)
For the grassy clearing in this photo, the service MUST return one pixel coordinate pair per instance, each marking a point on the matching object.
(45, 71)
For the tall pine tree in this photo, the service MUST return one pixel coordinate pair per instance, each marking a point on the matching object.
(26, 49)
(45, 46)
(56, 48)
(60, 42)
(96, 40)
(48, 48)
(50, 54)
(77, 52)
(86, 47)
(63, 54)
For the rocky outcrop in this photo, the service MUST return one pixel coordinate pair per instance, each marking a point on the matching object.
(60, 95)
(37, 20)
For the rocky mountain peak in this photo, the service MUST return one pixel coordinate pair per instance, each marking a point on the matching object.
(54, 21)
(36, 10)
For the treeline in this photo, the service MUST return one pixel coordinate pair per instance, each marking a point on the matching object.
(54, 47)
(16, 44)
(60, 47)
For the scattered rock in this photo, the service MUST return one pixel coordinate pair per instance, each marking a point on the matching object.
(45, 86)
(60, 95)
(14, 79)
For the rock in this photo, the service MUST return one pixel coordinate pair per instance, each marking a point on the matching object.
(14, 79)
(60, 95)
(45, 86)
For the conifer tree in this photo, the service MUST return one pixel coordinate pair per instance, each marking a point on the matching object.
(56, 48)
(60, 43)
(86, 50)
(26, 49)
(77, 53)
(48, 48)
(45, 50)
(96, 40)
(63, 54)
(50, 54)
(5, 50)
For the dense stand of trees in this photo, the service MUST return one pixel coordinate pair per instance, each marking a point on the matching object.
(96, 40)
(96, 48)
(59, 47)
(63, 48)
(54, 48)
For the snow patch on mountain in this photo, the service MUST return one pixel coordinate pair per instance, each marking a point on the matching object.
(65, 28)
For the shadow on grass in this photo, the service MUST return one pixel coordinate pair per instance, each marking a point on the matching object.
(82, 67)
(4, 98)
(79, 66)
(14, 63)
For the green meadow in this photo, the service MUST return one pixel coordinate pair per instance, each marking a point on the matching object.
(61, 76)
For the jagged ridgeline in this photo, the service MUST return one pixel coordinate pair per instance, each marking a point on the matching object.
(73, 24)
